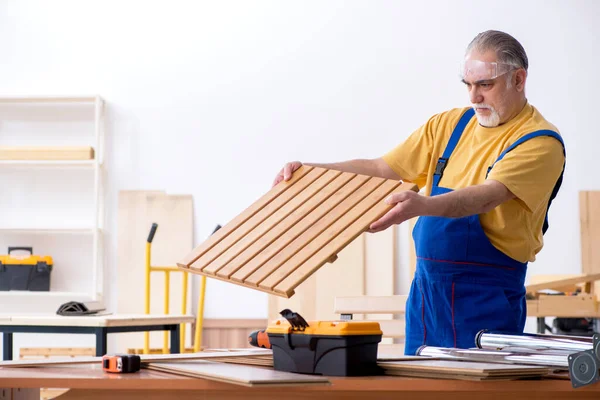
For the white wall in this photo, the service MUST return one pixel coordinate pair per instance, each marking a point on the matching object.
(212, 97)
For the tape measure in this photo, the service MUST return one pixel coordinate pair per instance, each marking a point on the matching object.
(121, 363)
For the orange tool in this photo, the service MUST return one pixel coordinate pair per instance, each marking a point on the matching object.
(259, 339)
(121, 363)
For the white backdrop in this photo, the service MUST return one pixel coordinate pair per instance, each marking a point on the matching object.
(212, 97)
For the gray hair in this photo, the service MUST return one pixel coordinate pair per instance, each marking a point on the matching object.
(507, 48)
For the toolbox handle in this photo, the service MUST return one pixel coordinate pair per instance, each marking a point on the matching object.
(152, 232)
(29, 249)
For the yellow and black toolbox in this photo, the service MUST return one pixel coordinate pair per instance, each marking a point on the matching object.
(337, 348)
(27, 272)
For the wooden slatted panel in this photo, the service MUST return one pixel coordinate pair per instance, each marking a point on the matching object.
(289, 233)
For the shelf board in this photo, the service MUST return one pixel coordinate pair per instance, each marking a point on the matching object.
(29, 294)
(49, 99)
(50, 163)
(44, 231)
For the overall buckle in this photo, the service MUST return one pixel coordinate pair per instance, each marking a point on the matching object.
(441, 166)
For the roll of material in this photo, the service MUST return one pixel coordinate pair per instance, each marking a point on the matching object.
(552, 360)
(531, 343)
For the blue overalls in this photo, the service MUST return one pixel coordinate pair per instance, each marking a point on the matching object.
(462, 283)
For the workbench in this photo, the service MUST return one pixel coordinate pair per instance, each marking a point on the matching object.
(91, 383)
(99, 325)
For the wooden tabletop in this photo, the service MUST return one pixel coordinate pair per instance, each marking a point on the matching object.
(94, 383)
(103, 320)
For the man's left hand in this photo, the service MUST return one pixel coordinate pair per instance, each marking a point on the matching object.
(408, 205)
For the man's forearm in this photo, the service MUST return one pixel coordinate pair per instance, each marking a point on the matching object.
(472, 200)
(360, 166)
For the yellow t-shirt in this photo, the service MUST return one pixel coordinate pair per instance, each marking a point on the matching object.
(529, 171)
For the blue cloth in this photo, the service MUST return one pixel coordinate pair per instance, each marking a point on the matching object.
(462, 283)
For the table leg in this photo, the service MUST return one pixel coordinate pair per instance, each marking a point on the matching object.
(101, 334)
(541, 324)
(175, 335)
(7, 346)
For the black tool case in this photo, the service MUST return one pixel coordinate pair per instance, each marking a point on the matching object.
(25, 273)
(335, 348)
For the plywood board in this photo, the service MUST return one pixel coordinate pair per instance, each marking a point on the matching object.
(290, 232)
(62, 153)
(137, 210)
(238, 374)
(589, 215)
(436, 367)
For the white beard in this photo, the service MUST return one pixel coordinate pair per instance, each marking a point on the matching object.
(489, 121)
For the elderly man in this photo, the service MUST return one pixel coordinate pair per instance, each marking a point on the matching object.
(488, 182)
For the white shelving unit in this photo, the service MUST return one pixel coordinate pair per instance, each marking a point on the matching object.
(70, 227)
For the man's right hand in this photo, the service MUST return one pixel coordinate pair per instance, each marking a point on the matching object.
(286, 172)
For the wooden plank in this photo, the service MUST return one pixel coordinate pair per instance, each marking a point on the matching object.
(285, 218)
(463, 368)
(589, 215)
(311, 227)
(145, 358)
(393, 328)
(46, 153)
(100, 321)
(345, 230)
(238, 374)
(220, 323)
(381, 258)
(345, 277)
(242, 237)
(312, 240)
(562, 282)
(538, 279)
(243, 217)
(581, 305)
(303, 302)
(137, 210)
(371, 304)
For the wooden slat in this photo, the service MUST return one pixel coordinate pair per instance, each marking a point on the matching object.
(311, 221)
(392, 328)
(302, 204)
(46, 153)
(243, 217)
(252, 229)
(346, 229)
(315, 238)
(371, 305)
(311, 227)
(589, 215)
(562, 282)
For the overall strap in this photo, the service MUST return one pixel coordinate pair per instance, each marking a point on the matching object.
(454, 138)
(522, 140)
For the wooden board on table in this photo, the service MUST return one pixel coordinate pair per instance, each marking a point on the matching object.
(290, 232)
(137, 210)
(589, 216)
(62, 153)
(237, 374)
(262, 354)
(435, 368)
